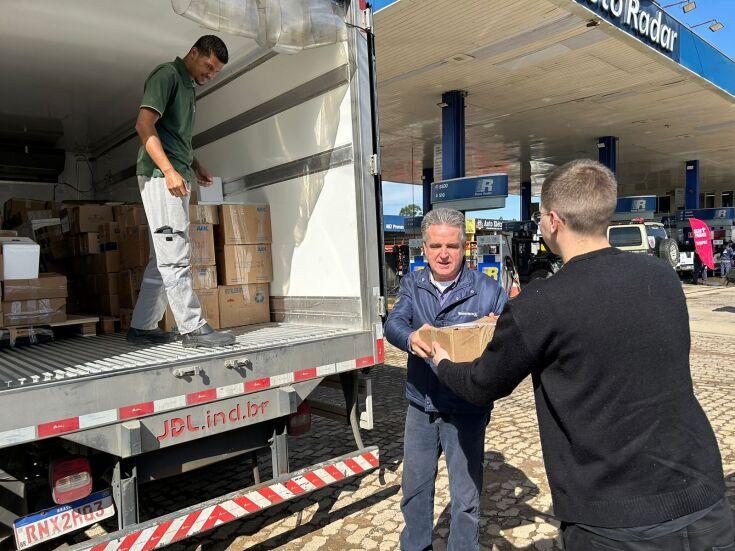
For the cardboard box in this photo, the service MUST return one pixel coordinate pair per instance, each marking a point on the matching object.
(126, 315)
(209, 299)
(240, 264)
(244, 225)
(130, 215)
(107, 262)
(202, 244)
(108, 305)
(134, 246)
(243, 305)
(137, 275)
(105, 284)
(8, 233)
(203, 214)
(204, 277)
(19, 258)
(85, 218)
(109, 232)
(86, 243)
(126, 289)
(45, 286)
(34, 312)
(463, 343)
(16, 210)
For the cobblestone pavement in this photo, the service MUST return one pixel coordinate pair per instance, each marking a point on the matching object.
(516, 504)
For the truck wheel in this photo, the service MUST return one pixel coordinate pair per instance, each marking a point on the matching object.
(540, 274)
(668, 251)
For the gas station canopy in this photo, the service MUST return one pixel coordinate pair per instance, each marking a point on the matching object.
(545, 79)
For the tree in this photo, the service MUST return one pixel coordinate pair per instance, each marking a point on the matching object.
(410, 211)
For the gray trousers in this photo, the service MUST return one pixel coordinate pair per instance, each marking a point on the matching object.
(167, 278)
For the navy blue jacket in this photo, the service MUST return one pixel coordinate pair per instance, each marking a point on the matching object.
(473, 296)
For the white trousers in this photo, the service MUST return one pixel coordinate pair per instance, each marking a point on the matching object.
(167, 278)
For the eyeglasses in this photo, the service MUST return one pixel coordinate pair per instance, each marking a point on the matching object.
(538, 215)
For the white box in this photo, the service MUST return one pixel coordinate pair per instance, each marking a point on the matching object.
(212, 195)
(20, 257)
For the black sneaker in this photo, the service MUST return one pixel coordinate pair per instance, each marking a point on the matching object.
(206, 337)
(149, 336)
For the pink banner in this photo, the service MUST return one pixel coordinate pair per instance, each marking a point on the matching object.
(703, 242)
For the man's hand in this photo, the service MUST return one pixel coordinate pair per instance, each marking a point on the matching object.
(417, 345)
(175, 183)
(438, 353)
(204, 177)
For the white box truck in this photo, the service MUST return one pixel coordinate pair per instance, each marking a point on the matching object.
(297, 131)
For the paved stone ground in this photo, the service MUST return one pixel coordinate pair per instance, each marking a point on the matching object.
(516, 504)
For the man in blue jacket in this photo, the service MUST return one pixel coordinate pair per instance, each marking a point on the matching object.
(437, 420)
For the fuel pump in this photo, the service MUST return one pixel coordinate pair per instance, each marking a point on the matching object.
(416, 254)
(490, 254)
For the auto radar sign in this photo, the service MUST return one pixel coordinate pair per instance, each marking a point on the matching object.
(641, 18)
(703, 242)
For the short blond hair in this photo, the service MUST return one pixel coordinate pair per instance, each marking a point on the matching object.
(584, 193)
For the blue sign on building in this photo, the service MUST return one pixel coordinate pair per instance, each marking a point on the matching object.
(393, 223)
(724, 215)
(637, 204)
(642, 19)
(471, 193)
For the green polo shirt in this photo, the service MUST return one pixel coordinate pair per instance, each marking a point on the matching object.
(169, 90)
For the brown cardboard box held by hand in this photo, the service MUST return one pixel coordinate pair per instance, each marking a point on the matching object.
(463, 343)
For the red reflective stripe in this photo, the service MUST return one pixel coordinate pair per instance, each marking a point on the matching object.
(246, 504)
(270, 495)
(354, 465)
(137, 410)
(129, 541)
(58, 427)
(334, 471)
(201, 397)
(218, 514)
(186, 526)
(370, 458)
(156, 536)
(380, 348)
(258, 384)
(364, 362)
(304, 374)
(363, 4)
(294, 488)
(315, 480)
(100, 547)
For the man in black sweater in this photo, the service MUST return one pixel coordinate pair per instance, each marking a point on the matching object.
(631, 458)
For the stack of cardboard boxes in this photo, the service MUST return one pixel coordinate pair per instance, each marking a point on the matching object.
(28, 298)
(244, 264)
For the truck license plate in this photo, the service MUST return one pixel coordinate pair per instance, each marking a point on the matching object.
(57, 521)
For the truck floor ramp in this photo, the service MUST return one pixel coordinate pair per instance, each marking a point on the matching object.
(80, 357)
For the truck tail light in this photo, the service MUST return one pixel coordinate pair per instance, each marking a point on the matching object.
(71, 479)
(300, 422)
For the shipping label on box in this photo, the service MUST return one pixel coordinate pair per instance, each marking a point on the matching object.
(202, 244)
(239, 264)
(20, 258)
(244, 225)
(134, 246)
(243, 305)
(34, 312)
(45, 286)
(204, 277)
(209, 300)
(463, 343)
(203, 214)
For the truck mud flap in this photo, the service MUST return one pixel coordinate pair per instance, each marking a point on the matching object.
(193, 521)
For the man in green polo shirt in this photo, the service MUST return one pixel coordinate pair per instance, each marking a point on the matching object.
(166, 169)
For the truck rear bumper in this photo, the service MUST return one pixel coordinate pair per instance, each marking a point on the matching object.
(192, 521)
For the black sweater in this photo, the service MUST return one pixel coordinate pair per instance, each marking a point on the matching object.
(606, 340)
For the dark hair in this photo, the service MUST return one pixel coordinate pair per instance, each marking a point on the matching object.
(210, 44)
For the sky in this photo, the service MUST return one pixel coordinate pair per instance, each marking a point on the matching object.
(396, 196)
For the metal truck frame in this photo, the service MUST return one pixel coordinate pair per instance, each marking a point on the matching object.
(150, 412)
